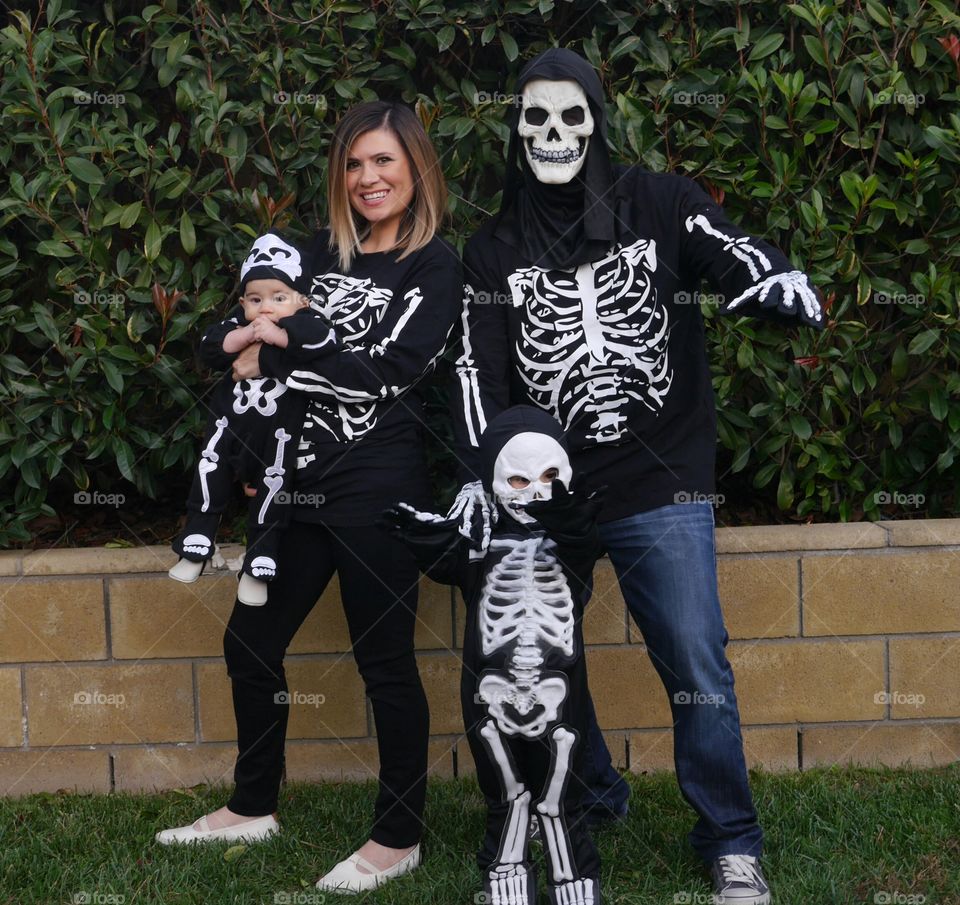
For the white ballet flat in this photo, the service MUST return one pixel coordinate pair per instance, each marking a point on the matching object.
(346, 879)
(254, 830)
(187, 571)
(252, 591)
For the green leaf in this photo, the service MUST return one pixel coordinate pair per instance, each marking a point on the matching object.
(801, 427)
(125, 458)
(113, 375)
(764, 47)
(923, 341)
(445, 37)
(152, 241)
(234, 852)
(84, 170)
(785, 489)
(55, 249)
(510, 49)
(130, 214)
(188, 238)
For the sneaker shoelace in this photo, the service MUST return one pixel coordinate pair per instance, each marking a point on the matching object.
(738, 869)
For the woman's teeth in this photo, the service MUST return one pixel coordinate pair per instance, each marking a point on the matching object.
(374, 196)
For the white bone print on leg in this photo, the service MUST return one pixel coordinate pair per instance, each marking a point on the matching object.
(550, 806)
(273, 476)
(509, 877)
(208, 461)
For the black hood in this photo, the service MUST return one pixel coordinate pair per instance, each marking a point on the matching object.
(517, 420)
(560, 226)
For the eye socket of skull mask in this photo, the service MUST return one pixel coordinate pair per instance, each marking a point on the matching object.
(556, 125)
(529, 456)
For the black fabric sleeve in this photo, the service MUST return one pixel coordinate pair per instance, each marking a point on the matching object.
(733, 263)
(307, 331)
(398, 352)
(481, 372)
(210, 351)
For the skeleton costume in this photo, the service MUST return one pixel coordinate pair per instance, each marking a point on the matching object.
(581, 299)
(358, 448)
(523, 682)
(253, 427)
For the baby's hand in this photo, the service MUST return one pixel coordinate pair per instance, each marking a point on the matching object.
(266, 331)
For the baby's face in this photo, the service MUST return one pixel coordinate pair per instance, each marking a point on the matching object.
(272, 299)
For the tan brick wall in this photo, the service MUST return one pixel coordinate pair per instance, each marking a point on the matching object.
(845, 645)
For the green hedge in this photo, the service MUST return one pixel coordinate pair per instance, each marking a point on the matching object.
(144, 148)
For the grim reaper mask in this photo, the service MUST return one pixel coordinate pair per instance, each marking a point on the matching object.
(518, 448)
(557, 206)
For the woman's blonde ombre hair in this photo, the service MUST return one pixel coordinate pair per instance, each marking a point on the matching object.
(428, 207)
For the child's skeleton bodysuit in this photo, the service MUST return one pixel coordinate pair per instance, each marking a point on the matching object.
(523, 683)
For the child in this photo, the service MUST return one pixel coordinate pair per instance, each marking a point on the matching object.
(523, 684)
(255, 425)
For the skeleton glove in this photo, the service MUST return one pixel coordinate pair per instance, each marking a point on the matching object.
(433, 539)
(568, 516)
(790, 294)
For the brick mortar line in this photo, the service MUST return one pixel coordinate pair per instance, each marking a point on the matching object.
(115, 747)
(124, 569)
(435, 653)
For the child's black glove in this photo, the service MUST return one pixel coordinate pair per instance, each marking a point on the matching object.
(569, 515)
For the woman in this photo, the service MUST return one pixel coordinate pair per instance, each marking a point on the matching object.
(391, 289)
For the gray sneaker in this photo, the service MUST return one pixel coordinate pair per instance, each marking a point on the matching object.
(738, 880)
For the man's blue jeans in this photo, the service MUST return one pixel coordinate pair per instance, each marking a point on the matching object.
(665, 561)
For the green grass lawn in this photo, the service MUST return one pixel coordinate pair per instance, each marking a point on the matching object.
(834, 836)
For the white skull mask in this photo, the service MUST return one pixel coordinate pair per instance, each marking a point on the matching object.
(271, 251)
(526, 458)
(555, 125)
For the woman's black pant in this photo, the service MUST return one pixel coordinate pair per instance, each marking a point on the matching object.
(378, 587)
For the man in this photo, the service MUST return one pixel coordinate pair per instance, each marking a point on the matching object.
(578, 301)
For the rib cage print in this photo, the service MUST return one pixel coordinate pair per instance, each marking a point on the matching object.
(354, 307)
(594, 341)
(526, 605)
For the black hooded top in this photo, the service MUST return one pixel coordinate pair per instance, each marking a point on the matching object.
(559, 225)
(615, 347)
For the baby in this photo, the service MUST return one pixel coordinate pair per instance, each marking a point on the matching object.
(523, 684)
(254, 427)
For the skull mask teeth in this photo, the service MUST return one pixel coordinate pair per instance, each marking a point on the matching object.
(528, 456)
(555, 125)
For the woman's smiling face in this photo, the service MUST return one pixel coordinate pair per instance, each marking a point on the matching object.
(379, 179)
